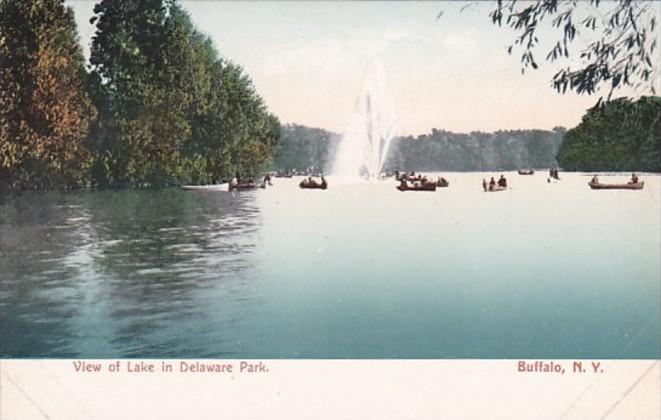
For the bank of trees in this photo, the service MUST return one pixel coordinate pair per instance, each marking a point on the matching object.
(476, 151)
(157, 107)
(622, 135)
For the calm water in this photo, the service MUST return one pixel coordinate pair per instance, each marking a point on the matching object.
(358, 271)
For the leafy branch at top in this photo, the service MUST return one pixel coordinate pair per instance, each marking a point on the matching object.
(622, 50)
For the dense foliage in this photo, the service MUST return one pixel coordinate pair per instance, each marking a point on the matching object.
(171, 110)
(623, 135)
(503, 150)
(303, 148)
(159, 106)
(45, 112)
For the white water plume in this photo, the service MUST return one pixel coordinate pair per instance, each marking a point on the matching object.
(371, 127)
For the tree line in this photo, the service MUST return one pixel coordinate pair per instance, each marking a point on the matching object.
(618, 135)
(443, 150)
(157, 105)
(303, 147)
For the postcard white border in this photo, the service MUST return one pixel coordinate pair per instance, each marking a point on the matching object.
(332, 389)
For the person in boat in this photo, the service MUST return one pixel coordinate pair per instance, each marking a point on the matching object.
(484, 184)
(492, 183)
(502, 182)
(595, 180)
(402, 183)
(634, 179)
(323, 181)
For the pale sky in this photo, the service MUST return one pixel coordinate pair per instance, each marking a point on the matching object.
(308, 61)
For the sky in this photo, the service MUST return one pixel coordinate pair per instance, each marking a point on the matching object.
(445, 65)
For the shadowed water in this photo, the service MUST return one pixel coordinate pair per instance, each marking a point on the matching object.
(358, 271)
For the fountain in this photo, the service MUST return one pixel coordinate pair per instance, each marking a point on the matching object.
(372, 125)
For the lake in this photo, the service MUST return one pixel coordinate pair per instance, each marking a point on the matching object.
(361, 270)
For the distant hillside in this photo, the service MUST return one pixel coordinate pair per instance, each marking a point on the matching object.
(302, 147)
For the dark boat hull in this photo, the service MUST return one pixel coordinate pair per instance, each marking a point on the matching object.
(599, 186)
(496, 189)
(531, 172)
(426, 187)
(243, 187)
(322, 186)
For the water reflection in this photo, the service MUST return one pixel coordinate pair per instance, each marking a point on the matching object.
(358, 271)
(129, 273)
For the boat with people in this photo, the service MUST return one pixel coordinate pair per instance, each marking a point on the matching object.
(526, 172)
(633, 184)
(312, 184)
(493, 185)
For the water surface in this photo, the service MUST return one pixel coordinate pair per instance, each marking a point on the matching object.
(551, 270)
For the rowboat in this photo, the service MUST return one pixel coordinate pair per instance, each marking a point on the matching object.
(628, 186)
(305, 184)
(528, 172)
(496, 188)
(430, 186)
(211, 187)
(243, 186)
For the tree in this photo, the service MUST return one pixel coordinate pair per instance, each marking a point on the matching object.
(45, 112)
(623, 53)
(172, 111)
(139, 56)
(623, 135)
